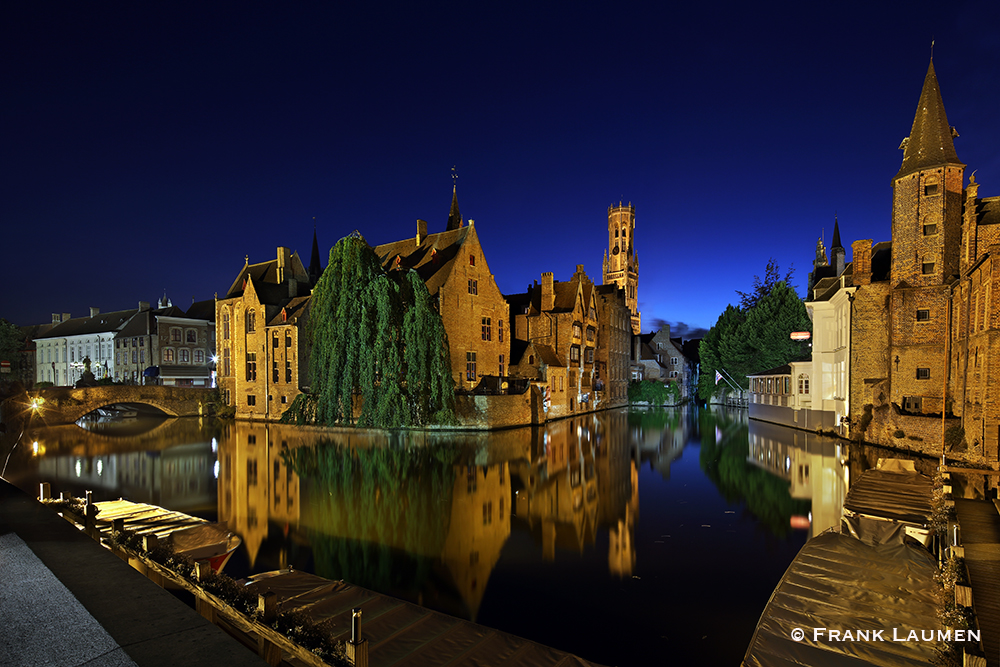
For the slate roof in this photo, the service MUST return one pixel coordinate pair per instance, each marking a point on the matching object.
(296, 307)
(780, 370)
(988, 211)
(930, 142)
(265, 281)
(202, 310)
(881, 261)
(432, 259)
(100, 323)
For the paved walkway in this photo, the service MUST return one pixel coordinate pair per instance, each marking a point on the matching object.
(67, 601)
(980, 526)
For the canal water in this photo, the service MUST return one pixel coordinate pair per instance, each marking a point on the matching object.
(625, 537)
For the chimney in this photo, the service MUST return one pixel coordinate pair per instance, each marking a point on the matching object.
(862, 262)
(94, 312)
(56, 318)
(66, 317)
(284, 260)
(548, 292)
(143, 306)
(421, 230)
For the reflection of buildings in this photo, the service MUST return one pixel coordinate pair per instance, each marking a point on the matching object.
(582, 476)
(462, 527)
(813, 465)
(178, 477)
(478, 527)
(660, 437)
(560, 500)
(255, 484)
(618, 490)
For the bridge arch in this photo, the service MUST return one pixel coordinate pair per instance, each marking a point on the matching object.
(64, 405)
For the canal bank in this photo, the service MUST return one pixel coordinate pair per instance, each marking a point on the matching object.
(69, 601)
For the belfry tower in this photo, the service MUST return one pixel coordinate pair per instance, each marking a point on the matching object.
(621, 266)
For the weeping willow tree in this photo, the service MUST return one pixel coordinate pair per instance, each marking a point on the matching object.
(376, 338)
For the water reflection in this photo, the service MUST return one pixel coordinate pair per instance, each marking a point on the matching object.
(434, 517)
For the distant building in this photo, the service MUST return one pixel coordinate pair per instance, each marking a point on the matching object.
(263, 354)
(562, 317)
(167, 346)
(614, 338)
(621, 265)
(60, 351)
(453, 266)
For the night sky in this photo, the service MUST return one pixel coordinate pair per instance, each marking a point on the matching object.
(150, 146)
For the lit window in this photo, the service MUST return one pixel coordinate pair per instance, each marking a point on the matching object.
(470, 366)
(175, 335)
(803, 384)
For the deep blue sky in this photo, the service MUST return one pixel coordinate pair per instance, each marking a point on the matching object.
(150, 146)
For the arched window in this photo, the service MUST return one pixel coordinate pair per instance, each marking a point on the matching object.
(225, 324)
(251, 321)
(803, 384)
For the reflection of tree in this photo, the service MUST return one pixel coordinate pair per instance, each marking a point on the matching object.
(725, 463)
(656, 419)
(378, 515)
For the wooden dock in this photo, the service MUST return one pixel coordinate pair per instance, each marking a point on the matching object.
(980, 526)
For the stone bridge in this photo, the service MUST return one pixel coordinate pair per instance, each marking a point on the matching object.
(64, 405)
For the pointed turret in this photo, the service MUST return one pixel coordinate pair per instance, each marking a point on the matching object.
(930, 142)
(837, 251)
(454, 216)
(836, 236)
(315, 268)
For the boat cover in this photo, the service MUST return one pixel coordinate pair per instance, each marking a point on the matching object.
(888, 500)
(838, 582)
(400, 631)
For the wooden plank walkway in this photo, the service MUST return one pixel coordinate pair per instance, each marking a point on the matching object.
(980, 526)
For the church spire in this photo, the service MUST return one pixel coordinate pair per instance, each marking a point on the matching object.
(315, 267)
(930, 142)
(836, 235)
(454, 216)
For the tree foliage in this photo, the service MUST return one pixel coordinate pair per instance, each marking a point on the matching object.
(761, 288)
(376, 340)
(11, 344)
(654, 393)
(750, 339)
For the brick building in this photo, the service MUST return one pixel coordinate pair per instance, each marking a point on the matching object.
(621, 265)
(562, 317)
(924, 312)
(165, 345)
(453, 266)
(263, 354)
(614, 338)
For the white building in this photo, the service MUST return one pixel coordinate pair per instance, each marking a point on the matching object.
(59, 353)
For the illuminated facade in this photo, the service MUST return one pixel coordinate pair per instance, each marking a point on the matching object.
(621, 265)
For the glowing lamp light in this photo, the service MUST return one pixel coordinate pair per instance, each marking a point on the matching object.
(800, 522)
(800, 335)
